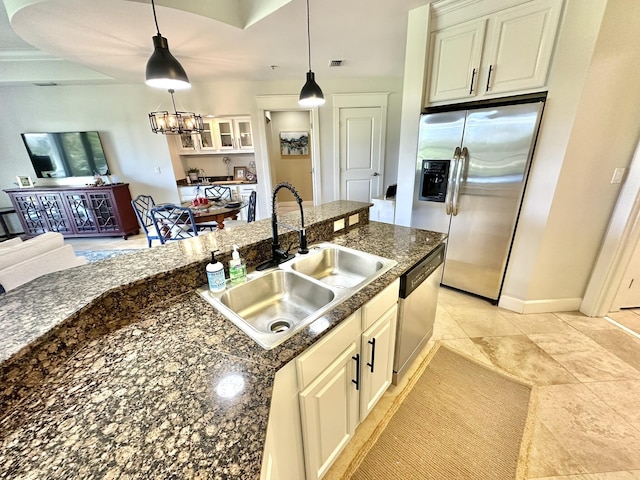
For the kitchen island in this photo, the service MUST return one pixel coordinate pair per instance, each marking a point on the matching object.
(118, 369)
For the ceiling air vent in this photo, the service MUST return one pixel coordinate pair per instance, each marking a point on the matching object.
(45, 84)
(335, 63)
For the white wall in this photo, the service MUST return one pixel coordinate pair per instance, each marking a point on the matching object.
(133, 151)
(591, 125)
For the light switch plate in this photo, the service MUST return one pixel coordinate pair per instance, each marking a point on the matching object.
(618, 173)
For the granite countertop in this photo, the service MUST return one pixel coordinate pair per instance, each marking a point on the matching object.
(148, 380)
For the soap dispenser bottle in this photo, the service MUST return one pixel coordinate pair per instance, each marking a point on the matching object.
(215, 275)
(237, 267)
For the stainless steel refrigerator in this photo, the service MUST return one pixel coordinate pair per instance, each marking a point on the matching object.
(473, 165)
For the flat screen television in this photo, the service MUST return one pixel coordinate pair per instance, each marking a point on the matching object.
(66, 154)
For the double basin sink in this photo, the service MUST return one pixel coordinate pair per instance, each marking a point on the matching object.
(273, 305)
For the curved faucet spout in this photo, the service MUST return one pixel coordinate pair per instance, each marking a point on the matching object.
(278, 255)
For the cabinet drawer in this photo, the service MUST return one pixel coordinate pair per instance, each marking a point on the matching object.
(320, 356)
(382, 302)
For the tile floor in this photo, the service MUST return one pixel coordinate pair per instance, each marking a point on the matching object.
(587, 372)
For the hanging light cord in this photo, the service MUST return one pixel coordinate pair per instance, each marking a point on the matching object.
(308, 35)
(171, 91)
(153, 6)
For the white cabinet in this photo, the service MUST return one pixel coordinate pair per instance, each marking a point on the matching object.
(329, 412)
(223, 135)
(455, 61)
(343, 376)
(233, 134)
(509, 51)
(377, 349)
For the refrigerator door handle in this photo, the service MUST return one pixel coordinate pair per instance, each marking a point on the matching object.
(456, 188)
(450, 185)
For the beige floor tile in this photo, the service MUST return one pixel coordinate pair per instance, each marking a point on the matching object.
(522, 358)
(445, 327)
(584, 358)
(581, 322)
(109, 243)
(621, 396)
(466, 346)
(635, 475)
(594, 435)
(536, 322)
(481, 321)
(628, 475)
(620, 343)
(628, 318)
(448, 296)
(548, 458)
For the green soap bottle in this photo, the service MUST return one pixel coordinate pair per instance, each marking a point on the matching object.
(237, 267)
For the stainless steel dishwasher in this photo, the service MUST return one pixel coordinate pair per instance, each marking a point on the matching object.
(417, 310)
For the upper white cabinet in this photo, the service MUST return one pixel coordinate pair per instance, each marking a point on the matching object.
(223, 135)
(508, 51)
(233, 134)
(455, 61)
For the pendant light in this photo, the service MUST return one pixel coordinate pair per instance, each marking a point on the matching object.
(176, 122)
(163, 69)
(311, 94)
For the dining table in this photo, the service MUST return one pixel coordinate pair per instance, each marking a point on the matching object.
(216, 210)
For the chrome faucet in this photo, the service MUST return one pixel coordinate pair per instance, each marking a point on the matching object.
(278, 255)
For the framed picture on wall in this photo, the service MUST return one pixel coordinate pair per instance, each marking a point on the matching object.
(24, 182)
(294, 143)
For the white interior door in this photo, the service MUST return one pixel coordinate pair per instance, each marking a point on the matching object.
(629, 292)
(361, 149)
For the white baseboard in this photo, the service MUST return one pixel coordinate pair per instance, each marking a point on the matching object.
(539, 306)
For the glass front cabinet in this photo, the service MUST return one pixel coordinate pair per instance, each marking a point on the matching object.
(222, 135)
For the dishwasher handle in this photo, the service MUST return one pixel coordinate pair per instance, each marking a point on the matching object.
(419, 273)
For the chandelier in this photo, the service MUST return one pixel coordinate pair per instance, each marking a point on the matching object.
(177, 122)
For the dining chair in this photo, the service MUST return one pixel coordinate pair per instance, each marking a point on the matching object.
(218, 191)
(142, 206)
(173, 222)
(251, 213)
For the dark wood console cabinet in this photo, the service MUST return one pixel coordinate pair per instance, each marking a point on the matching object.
(87, 211)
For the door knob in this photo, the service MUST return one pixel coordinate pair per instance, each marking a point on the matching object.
(375, 174)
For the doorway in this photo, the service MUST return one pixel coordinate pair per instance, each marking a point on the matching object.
(291, 148)
(288, 135)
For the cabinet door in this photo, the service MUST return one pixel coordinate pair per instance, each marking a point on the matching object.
(243, 134)
(377, 347)
(329, 412)
(52, 205)
(224, 131)
(30, 213)
(519, 47)
(103, 207)
(456, 53)
(81, 212)
(206, 138)
(186, 143)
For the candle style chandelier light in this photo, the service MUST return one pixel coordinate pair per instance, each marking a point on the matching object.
(177, 122)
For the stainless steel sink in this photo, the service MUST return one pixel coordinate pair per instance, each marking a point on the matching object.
(275, 304)
(337, 266)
